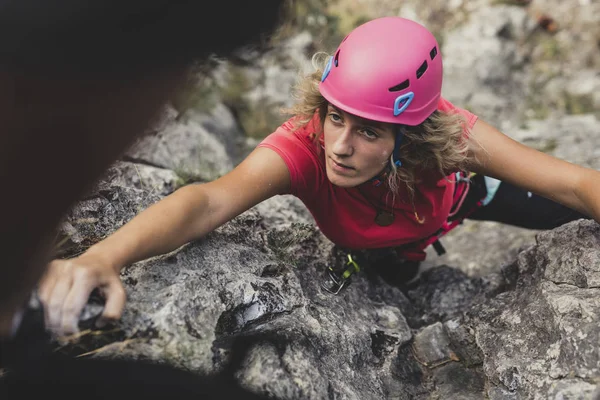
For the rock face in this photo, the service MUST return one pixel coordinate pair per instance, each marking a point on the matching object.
(190, 147)
(541, 338)
(528, 331)
(507, 313)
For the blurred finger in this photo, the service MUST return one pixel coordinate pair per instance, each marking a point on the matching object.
(45, 287)
(73, 304)
(44, 292)
(47, 282)
(115, 301)
(56, 301)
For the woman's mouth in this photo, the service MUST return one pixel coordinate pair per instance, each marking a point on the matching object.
(339, 166)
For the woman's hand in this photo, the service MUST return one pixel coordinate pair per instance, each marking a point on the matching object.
(66, 286)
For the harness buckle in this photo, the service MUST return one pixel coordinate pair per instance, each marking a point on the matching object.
(439, 247)
(336, 281)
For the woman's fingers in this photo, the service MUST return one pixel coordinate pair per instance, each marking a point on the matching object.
(46, 283)
(54, 303)
(74, 303)
(44, 290)
(116, 296)
(66, 288)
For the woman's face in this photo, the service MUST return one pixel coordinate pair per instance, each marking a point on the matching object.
(356, 149)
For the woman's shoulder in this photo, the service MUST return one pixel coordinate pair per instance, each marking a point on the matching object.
(303, 126)
(446, 106)
(296, 132)
(297, 146)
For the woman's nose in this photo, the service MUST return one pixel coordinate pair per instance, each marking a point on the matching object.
(342, 146)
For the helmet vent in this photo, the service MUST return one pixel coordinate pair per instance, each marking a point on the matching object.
(422, 69)
(335, 59)
(400, 86)
(433, 53)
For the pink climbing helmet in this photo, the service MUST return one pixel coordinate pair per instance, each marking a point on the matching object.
(388, 69)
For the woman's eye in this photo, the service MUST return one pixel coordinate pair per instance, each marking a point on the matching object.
(335, 118)
(369, 134)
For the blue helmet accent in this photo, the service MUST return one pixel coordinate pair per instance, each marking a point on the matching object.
(402, 102)
(327, 69)
(396, 152)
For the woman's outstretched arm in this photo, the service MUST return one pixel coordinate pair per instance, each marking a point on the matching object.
(494, 154)
(187, 214)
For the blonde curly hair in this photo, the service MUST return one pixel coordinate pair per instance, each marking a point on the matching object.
(438, 144)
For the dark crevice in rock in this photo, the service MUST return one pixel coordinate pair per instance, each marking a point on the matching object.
(190, 328)
(510, 273)
(266, 305)
(238, 320)
(382, 344)
(332, 394)
(273, 270)
(407, 370)
(571, 285)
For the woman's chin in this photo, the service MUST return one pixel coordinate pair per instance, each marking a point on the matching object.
(343, 181)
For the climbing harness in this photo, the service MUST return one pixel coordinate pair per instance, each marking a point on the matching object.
(416, 251)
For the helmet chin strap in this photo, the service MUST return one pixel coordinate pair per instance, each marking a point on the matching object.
(379, 178)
